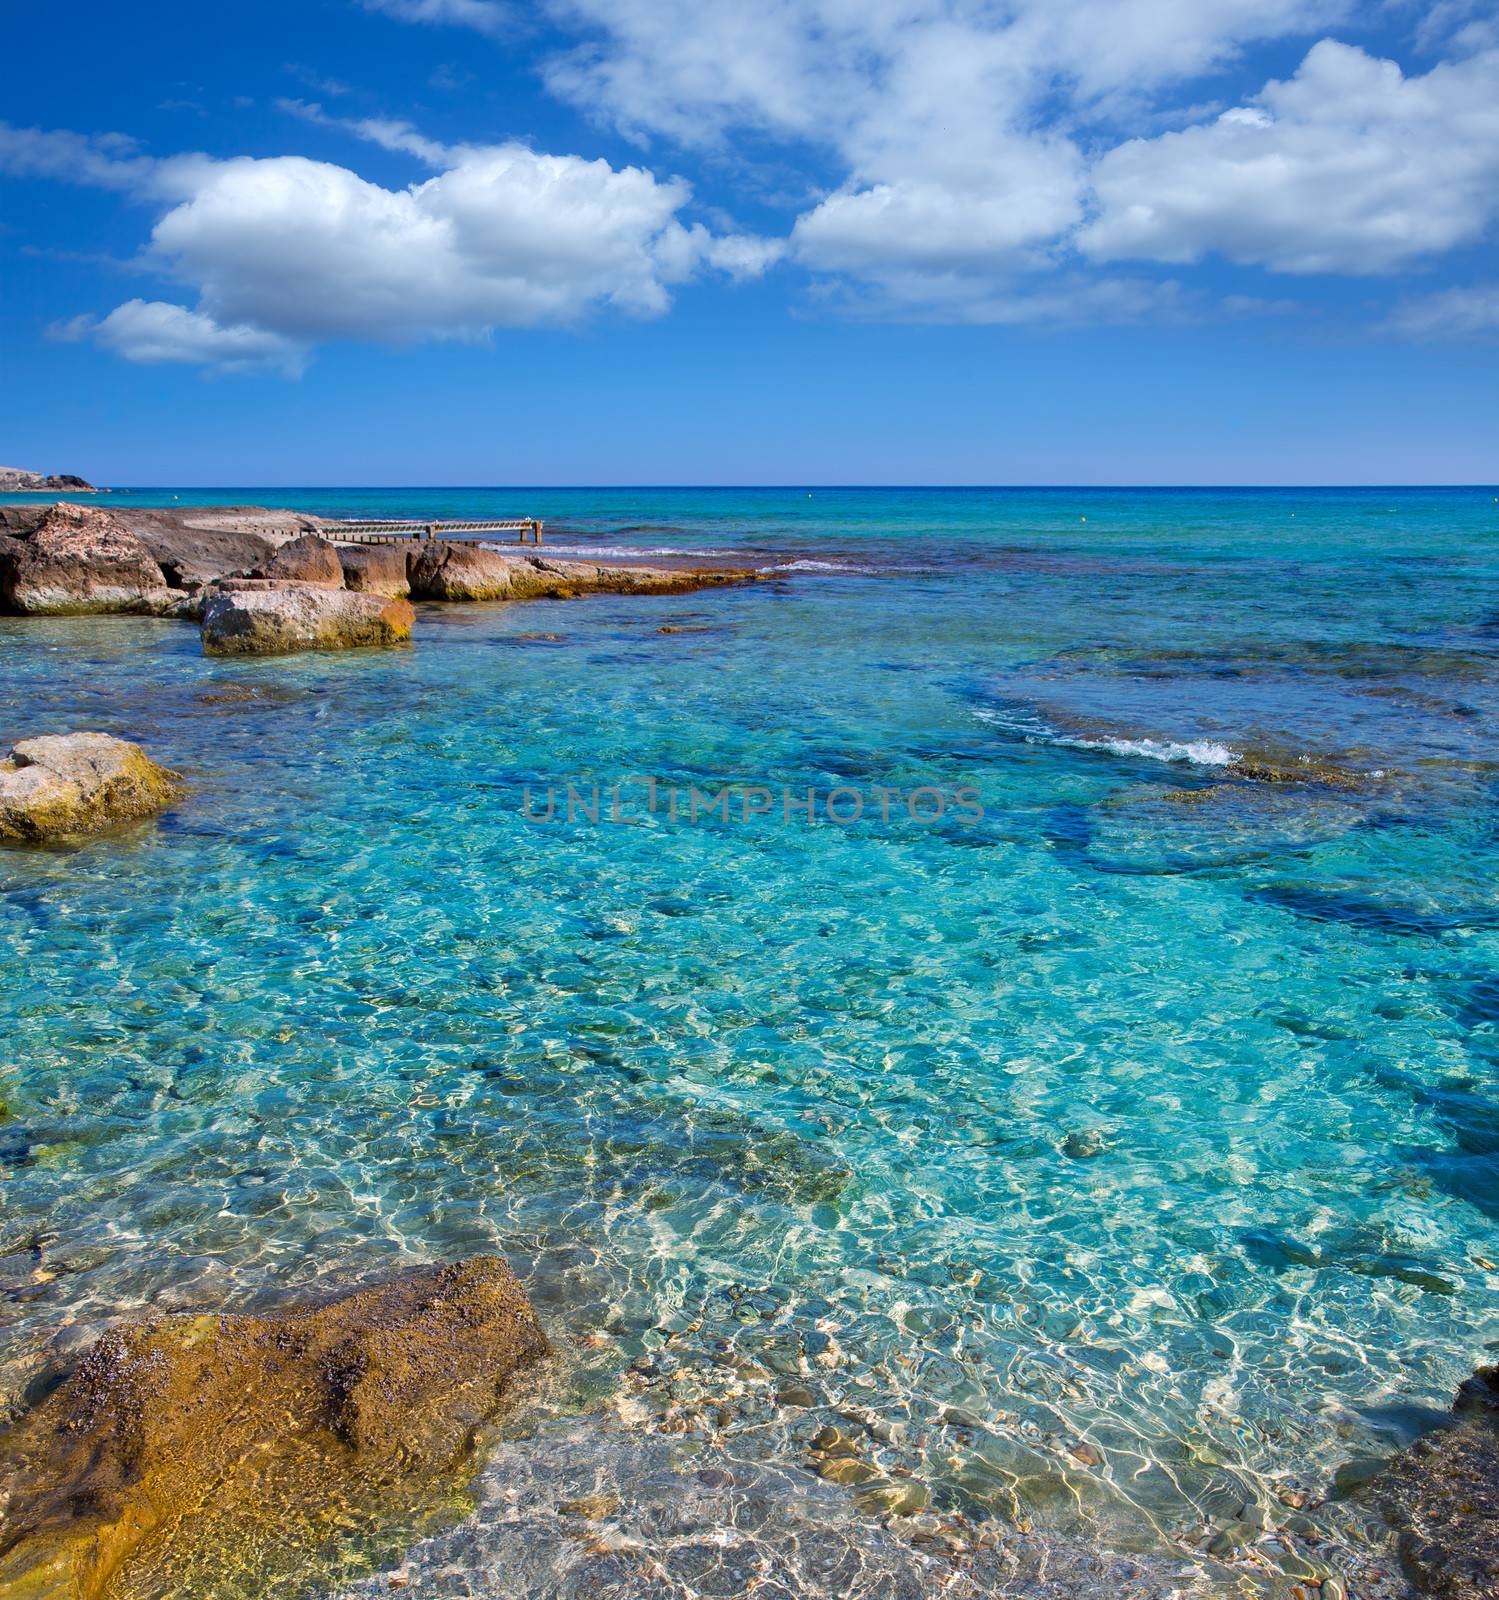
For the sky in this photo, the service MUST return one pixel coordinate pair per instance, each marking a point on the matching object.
(799, 241)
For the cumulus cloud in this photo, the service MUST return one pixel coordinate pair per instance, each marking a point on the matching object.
(282, 253)
(1349, 166)
(860, 75)
(961, 127)
(154, 332)
(958, 123)
(1466, 313)
(971, 160)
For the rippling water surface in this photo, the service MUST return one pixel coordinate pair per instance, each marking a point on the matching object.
(1109, 1170)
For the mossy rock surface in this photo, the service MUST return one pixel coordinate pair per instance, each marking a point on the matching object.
(280, 618)
(61, 785)
(241, 1445)
(443, 570)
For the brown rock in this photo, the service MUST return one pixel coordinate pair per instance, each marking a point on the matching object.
(222, 1444)
(276, 621)
(440, 570)
(375, 569)
(1442, 1496)
(78, 783)
(193, 549)
(591, 1507)
(1269, 766)
(308, 559)
(18, 479)
(81, 560)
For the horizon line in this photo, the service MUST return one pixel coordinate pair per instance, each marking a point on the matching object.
(806, 486)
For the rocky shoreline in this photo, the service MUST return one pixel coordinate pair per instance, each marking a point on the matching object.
(255, 588)
(18, 480)
(258, 587)
(256, 583)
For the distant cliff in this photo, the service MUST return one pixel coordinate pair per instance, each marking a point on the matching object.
(15, 480)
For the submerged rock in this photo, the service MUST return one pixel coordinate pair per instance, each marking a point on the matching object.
(275, 621)
(443, 571)
(1443, 1498)
(1260, 766)
(308, 559)
(375, 569)
(80, 560)
(219, 1442)
(78, 783)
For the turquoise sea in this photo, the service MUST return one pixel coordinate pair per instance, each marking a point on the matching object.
(1113, 1156)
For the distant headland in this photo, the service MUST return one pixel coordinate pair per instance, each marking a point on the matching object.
(17, 480)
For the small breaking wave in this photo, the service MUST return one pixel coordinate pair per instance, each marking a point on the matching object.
(1200, 752)
(1196, 752)
(806, 564)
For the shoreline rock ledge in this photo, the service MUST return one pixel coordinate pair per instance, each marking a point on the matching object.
(63, 784)
(237, 1448)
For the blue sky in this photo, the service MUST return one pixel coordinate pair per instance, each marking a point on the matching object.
(807, 241)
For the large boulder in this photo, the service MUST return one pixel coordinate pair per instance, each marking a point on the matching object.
(78, 783)
(375, 569)
(308, 559)
(441, 570)
(227, 1445)
(275, 621)
(78, 560)
(1442, 1496)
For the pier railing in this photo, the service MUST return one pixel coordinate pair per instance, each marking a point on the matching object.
(527, 528)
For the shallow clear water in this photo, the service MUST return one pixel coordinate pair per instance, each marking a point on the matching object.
(1124, 1164)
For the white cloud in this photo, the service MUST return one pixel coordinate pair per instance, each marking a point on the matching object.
(1057, 299)
(387, 132)
(845, 71)
(1453, 314)
(1031, 198)
(485, 16)
(285, 252)
(108, 162)
(1349, 166)
(153, 332)
(967, 157)
(957, 124)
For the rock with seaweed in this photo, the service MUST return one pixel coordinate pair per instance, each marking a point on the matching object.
(228, 1445)
(283, 618)
(66, 784)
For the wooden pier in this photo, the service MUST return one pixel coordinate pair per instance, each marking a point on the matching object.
(528, 530)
